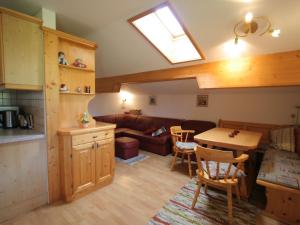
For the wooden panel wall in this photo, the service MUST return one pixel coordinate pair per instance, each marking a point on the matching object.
(64, 110)
(280, 69)
(52, 82)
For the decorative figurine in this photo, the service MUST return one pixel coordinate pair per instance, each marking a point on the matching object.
(64, 88)
(79, 63)
(87, 89)
(78, 89)
(61, 59)
(85, 119)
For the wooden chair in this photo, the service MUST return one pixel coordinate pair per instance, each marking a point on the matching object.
(216, 168)
(181, 146)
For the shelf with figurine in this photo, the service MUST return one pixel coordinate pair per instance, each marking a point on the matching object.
(77, 64)
(78, 91)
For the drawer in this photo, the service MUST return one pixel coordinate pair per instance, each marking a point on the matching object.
(90, 137)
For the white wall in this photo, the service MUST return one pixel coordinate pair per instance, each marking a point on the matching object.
(261, 105)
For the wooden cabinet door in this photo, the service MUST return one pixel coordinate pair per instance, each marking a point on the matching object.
(83, 166)
(104, 160)
(22, 53)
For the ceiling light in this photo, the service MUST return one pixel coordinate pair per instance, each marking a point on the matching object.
(254, 25)
(248, 17)
(275, 33)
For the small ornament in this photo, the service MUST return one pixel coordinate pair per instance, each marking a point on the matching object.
(85, 119)
(87, 89)
(64, 88)
(61, 59)
(78, 89)
(79, 63)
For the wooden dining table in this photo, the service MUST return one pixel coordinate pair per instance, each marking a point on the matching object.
(243, 142)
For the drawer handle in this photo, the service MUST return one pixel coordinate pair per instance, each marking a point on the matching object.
(95, 136)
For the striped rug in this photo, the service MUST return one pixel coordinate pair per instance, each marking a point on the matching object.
(209, 210)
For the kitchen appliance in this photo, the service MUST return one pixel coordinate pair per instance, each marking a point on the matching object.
(26, 121)
(9, 117)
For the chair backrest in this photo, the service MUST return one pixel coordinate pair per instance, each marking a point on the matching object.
(207, 155)
(176, 134)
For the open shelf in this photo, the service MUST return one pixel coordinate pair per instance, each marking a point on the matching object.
(75, 68)
(75, 93)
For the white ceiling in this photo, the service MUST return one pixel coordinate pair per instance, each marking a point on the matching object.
(122, 50)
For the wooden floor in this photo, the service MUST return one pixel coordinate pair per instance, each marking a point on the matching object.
(136, 194)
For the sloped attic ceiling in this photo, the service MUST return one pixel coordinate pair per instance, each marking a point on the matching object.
(122, 50)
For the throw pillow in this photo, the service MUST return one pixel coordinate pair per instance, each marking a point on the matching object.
(159, 132)
(283, 139)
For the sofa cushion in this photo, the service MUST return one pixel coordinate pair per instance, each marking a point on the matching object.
(283, 139)
(280, 167)
(148, 138)
(126, 121)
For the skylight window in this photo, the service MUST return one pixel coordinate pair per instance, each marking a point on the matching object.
(161, 27)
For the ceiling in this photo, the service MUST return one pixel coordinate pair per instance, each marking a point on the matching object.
(122, 50)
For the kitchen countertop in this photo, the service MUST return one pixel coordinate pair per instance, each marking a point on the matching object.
(17, 135)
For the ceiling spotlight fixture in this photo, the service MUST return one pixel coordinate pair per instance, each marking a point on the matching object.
(254, 25)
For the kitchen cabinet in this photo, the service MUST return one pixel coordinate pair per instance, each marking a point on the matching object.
(21, 51)
(83, 163)
(86, 159)
(104, 157)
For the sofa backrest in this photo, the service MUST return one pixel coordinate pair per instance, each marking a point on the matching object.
(142, 123)
(198, 126)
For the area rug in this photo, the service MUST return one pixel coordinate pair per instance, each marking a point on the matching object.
(209, 210)
(133, 160)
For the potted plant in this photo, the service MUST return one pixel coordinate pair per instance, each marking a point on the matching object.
(85, 119)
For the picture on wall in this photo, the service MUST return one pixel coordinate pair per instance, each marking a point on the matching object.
(202, 100)
(152, 100)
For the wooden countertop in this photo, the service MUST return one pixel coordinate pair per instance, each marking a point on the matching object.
(77, 130)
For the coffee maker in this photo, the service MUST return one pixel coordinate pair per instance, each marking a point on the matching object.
(9, 117)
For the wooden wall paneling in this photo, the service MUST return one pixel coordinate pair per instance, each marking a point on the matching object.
(52, 82)
(265, 129)
(279, 69)
(71, 109)
(77, 78)
(74, 50)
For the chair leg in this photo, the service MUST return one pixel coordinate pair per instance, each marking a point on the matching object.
(229, 202)
(196, 194)
(174, 160)
(206, 188)
(190, 166)
(237, 191)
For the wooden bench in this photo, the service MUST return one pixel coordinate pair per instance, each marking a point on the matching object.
(283, 201)
(280, 174)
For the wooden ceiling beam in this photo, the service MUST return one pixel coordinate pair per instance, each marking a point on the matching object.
(279, 69)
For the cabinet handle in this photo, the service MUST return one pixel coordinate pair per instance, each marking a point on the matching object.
(95, 136)
(93, 146)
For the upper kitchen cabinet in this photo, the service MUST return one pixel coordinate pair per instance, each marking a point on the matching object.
(21, 51)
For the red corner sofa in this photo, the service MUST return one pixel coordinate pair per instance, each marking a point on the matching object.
(141, 127)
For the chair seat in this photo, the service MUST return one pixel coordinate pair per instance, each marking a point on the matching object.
(223, 167)
(186, 145)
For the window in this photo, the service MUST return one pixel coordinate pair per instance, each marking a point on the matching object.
(161, 27)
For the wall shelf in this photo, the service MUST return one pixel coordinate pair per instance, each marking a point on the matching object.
(75, 68)
(75, 93)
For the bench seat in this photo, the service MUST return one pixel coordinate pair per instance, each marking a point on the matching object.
(280, 174)
(281, 167)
